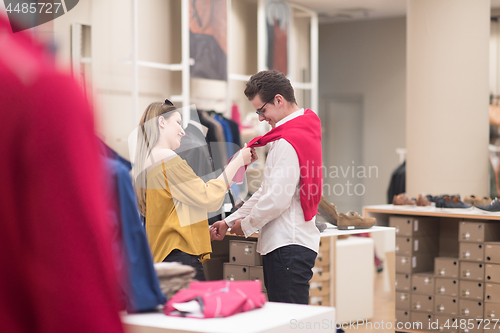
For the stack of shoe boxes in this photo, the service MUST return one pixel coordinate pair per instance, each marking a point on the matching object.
(245, 263)
(492, 281)
(464, 289)
(471, 272)
(319, 290)
(416, 247)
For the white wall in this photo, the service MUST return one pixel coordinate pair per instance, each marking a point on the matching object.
(368, 59)
(111, 22)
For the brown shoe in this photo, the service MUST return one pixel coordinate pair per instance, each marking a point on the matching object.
(352, 220)
(423, 201)
(328, 211)
(470, 199)
(484, 201)
(402, 199)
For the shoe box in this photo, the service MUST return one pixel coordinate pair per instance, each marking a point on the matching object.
(446, 305)
(446, 267)
(421, 320)
(491, 311)
(492, 292)
(413, 226)
(446, 286)
(492, 273)
(468, 325)
(478, 232)
(257, 273)
(214, 268)
(234, 272)
(244, 253)
(471, 251)
(403, 282)
(422, 283)
(403, 301)
(422, 303)
(320, 300)
(492, 252)
(402, 316)
(471, 289)
(472, 271)
(406, 245)
(444, 323)
(414, 264)
(471, 308)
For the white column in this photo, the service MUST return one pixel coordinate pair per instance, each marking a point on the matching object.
(447, 97)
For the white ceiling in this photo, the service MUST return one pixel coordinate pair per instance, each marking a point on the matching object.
(347, 10)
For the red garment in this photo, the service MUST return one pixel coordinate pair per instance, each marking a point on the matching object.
(304, 134)
(235, 115)
(221, 298)
(57, 270)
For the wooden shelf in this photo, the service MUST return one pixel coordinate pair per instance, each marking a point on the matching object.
(470, 214)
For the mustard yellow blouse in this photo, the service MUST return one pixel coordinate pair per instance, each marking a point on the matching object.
(177, 202)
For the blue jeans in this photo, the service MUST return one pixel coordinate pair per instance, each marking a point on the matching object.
(287, 271)
(187, 259)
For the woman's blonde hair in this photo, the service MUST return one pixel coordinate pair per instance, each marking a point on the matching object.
(147, 138)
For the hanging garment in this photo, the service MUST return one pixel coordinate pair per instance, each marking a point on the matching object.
(235, 115)
(140, 284)
(214, 299)
(195, 150)
(304, 134)
(397, 184)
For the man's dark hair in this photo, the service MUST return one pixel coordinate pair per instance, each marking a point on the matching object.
(267, 84)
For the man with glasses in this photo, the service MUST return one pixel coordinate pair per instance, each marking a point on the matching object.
(283, 209)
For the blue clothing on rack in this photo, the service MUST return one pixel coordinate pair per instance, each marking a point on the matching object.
(139, 283)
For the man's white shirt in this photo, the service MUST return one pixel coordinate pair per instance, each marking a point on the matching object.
(275, 210)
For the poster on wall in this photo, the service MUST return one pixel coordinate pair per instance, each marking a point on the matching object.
(208, 38)
(278, 15)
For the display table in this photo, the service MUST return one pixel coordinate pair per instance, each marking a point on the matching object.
(273, 317)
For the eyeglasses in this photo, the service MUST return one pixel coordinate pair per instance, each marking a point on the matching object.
(167, 102)
(259, 110)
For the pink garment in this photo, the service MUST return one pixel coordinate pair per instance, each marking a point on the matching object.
(220, 298)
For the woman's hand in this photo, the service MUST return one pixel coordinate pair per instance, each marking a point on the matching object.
(247, 155)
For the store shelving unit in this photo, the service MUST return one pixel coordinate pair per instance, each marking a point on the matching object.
(452, 230)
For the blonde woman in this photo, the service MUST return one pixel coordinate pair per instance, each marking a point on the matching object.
(171, 197)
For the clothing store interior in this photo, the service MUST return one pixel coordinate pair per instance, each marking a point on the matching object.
(250, 166)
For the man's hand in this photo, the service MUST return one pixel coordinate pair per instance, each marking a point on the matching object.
(236, 228)
(218, 230)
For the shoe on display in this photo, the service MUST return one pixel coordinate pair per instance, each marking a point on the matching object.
(476, 201)
(352, 220)
(455, 203)
(423, 201)
(321, 226)
(484, 201)
(470, 199)
(403, 200)
(494, 206)
(440, 199)
(328, 211)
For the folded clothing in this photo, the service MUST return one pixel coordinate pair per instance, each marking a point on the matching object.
(173, 276)
(221, 298)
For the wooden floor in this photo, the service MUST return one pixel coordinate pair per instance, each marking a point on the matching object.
(383, 311)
